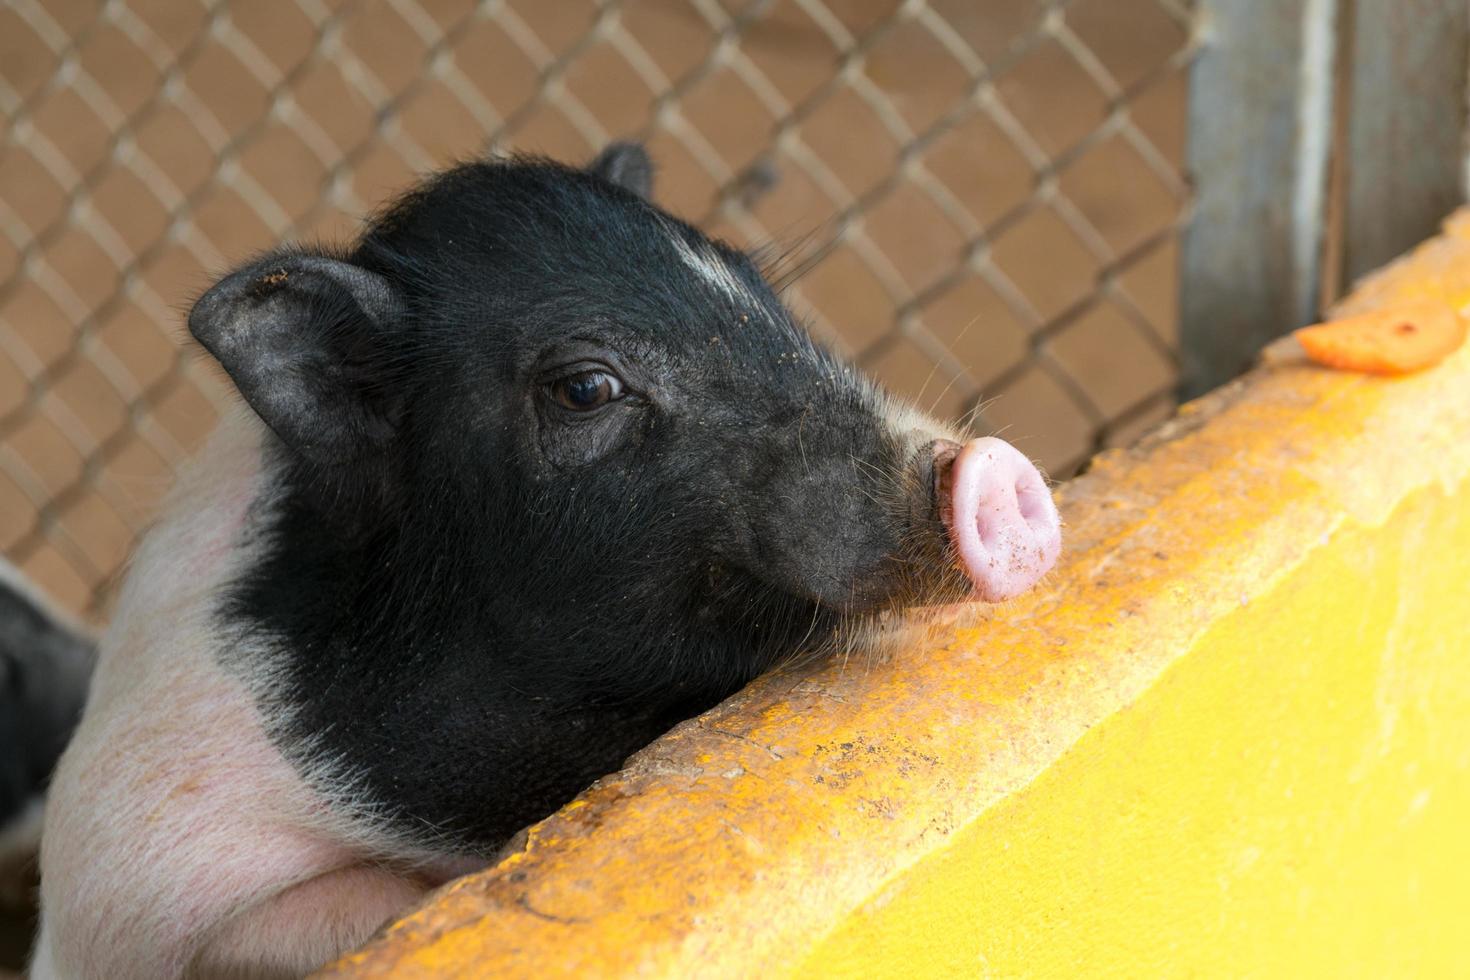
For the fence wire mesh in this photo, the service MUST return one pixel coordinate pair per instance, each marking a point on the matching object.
(978, 201)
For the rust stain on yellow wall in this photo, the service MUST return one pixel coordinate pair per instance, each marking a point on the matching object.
(1233, 723)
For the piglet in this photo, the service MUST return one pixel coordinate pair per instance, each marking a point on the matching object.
(526, 475)
(45, 660)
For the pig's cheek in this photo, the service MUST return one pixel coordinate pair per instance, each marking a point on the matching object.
(567, 441)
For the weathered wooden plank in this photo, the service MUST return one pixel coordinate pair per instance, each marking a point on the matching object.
(1405, 167)
(1260, 127)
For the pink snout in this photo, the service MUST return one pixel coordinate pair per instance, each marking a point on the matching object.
(999, 514)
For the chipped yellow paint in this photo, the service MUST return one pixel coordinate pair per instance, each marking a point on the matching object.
(1230, 735)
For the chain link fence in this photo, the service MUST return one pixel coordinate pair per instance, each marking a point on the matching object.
(979, 201)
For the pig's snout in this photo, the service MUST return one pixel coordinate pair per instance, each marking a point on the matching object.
(999, 515)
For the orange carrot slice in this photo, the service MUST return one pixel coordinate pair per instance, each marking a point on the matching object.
(1392, 341)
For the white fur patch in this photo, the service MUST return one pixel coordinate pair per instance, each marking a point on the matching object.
(708, 265)
(174, 829)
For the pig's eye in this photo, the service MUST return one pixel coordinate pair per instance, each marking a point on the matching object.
(586, 390)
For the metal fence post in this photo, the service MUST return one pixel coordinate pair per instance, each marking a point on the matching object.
(1260, 133)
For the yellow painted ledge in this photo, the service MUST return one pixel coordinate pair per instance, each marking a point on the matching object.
(1230, 736)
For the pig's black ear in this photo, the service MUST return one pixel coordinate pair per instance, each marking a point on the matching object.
(627, 165)
(307, 341)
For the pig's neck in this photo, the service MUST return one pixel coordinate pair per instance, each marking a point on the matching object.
(392, 690)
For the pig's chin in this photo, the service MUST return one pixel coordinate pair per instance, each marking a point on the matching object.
(929, 579)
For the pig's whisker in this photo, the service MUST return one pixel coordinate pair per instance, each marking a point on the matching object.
(981, 404)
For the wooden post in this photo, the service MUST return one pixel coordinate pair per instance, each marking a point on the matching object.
(1406, 135)
(1260, 132)
(1262, 117)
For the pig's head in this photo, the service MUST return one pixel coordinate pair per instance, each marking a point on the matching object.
(546, 450)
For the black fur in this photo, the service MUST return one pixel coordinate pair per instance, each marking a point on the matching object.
(487, 598)
(44, 668)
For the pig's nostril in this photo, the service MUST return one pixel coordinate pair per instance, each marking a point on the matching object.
(1034, 501)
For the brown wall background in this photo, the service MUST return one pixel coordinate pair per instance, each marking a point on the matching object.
(977, 199)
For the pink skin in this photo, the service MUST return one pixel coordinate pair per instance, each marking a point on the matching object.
(1000, 516)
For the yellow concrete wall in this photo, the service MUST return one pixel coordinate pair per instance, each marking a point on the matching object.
(1230, 736)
